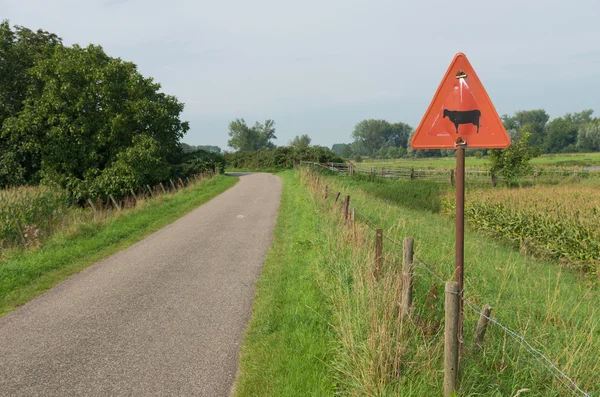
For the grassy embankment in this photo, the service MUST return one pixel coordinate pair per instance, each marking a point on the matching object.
(82, 238)
(568, 160)
(288, 343)
(368, 349)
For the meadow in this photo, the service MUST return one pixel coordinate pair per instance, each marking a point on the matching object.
(565, 160)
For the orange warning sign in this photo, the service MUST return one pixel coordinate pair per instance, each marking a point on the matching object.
(461, 112)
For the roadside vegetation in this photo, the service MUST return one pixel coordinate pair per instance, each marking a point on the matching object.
(370, 349)
(67, 238)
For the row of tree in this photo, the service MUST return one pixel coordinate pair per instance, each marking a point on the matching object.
(78, 118)
(573, 132)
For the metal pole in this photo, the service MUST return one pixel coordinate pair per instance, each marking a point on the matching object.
(460, 229)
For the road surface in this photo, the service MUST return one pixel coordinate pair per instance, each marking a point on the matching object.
(164, 317)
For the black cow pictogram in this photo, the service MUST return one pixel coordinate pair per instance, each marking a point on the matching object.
(458, 117)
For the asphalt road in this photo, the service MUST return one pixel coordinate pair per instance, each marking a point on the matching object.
(164, 317)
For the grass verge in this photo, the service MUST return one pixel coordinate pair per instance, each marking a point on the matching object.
(288, 342)
(26, 274)
(553, 308)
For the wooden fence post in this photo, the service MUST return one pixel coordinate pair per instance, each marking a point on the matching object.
(163, 188)
(372, 172)
(451, 338)
(181, 182)
(149, 190)
(382, 171)
(412, 173)
(407, 273)
(172, 184)
(493, 177)
(91, 203)
(326, 188)
(346, 207)
(134, 195)
(337, 197)
(117, 206)
(451, 177)
(482, 326)
(378, 252)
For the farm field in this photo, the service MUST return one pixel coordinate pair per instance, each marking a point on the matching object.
(568, 160)
(78, 237)
(374, 352)
(559, 221)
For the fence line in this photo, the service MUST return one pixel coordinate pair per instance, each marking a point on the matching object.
(561, 376)
(437, 174)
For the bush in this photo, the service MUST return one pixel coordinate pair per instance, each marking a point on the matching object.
(281, 157)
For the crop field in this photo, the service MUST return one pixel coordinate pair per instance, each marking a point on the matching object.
(568, 160)
(562, 221)
(544, 310)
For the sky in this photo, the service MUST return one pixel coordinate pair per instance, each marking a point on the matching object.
(320, 67)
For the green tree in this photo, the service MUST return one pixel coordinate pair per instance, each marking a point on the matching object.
(84, 110)
(535, 120)
(347, 151)
(561, 133)
(244, 138)
(372, 135)
(588, 137)
(300, 141)
(392, 152)
(513, 162)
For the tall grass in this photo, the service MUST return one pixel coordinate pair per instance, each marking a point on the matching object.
(27, 214)
(380, 354)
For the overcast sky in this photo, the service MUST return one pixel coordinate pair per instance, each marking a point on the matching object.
(319, 67)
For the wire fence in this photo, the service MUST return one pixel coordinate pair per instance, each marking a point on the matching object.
(536, 353)
(442, 175)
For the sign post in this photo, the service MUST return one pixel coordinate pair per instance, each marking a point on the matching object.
(461, 115)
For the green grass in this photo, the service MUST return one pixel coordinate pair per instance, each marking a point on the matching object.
(288, 342)
(555, 308)
(26, 274)
(573, 160)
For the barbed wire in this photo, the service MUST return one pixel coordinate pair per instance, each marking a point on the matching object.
(538, 355)
(564, 379)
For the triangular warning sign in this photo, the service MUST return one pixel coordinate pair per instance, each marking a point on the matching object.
(460, 110)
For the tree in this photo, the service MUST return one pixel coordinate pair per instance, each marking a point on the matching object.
(373, 135)
(588, 137)
(83, 112)
(244, 138)
(513, 162)
(392, 152)
(561, 133)
(347, 151)
(535, 120)
(300, 141)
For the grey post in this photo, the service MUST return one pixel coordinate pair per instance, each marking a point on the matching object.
(451, 306)
(451, 177)
(149, 190)
(91, 204)
(407, 273)
(378, 252)
(163, 188)
(117, 206)
(346, 207)
(172, 184)
(482, 326)
(337, 197)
